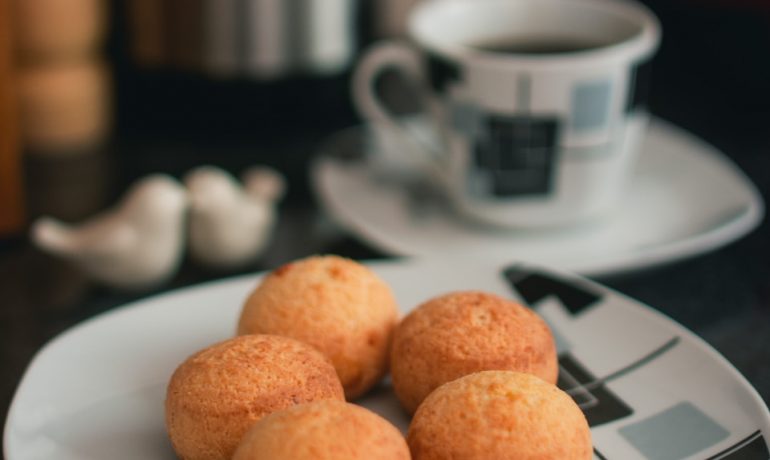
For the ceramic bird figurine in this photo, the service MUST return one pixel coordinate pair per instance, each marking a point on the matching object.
(136, 245)
(231, 223)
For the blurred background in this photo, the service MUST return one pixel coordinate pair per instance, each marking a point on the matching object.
(107, 91)
(97, 93)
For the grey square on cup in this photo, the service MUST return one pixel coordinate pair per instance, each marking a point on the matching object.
(591, 105)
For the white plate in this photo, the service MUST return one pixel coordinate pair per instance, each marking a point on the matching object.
(686, 198)
(650, 388)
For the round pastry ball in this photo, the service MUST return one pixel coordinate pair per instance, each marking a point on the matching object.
(323, 430)
(503, 415)
(217, 394)
(464, 332)
(337, 305)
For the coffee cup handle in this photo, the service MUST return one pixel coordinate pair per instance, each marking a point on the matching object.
(405, 59)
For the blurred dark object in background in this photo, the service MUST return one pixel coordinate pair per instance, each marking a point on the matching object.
(232, 82)
(11, 199)
(69, 187)
(225, 69)
(259, 39)
(712, 73)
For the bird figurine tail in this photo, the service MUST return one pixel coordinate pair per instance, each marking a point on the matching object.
(265, 183)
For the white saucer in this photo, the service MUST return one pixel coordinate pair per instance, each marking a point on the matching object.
(649, 388)
(686, 198)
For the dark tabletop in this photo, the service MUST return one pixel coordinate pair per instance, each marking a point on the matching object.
(712, 77)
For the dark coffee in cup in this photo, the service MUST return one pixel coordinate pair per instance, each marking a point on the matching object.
(513, 45)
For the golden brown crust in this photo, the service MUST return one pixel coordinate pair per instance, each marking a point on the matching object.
(323, 430)
(464, 332)
(502, 415)
(218, 393)
(337, 305)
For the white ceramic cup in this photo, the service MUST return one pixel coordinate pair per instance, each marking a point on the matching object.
(543, 135)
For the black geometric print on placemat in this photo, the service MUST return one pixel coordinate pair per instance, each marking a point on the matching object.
(441, 72)
(599, 455)
(753, 447)
(598, 403)
(649, 357)
(534, 287)
(517, 154)
(639, 90)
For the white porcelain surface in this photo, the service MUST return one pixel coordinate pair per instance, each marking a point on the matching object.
(97, 391)
(685, 198)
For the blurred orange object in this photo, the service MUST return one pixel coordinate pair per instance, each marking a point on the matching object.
(59, 29)
(65, 107)
(11, 205)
